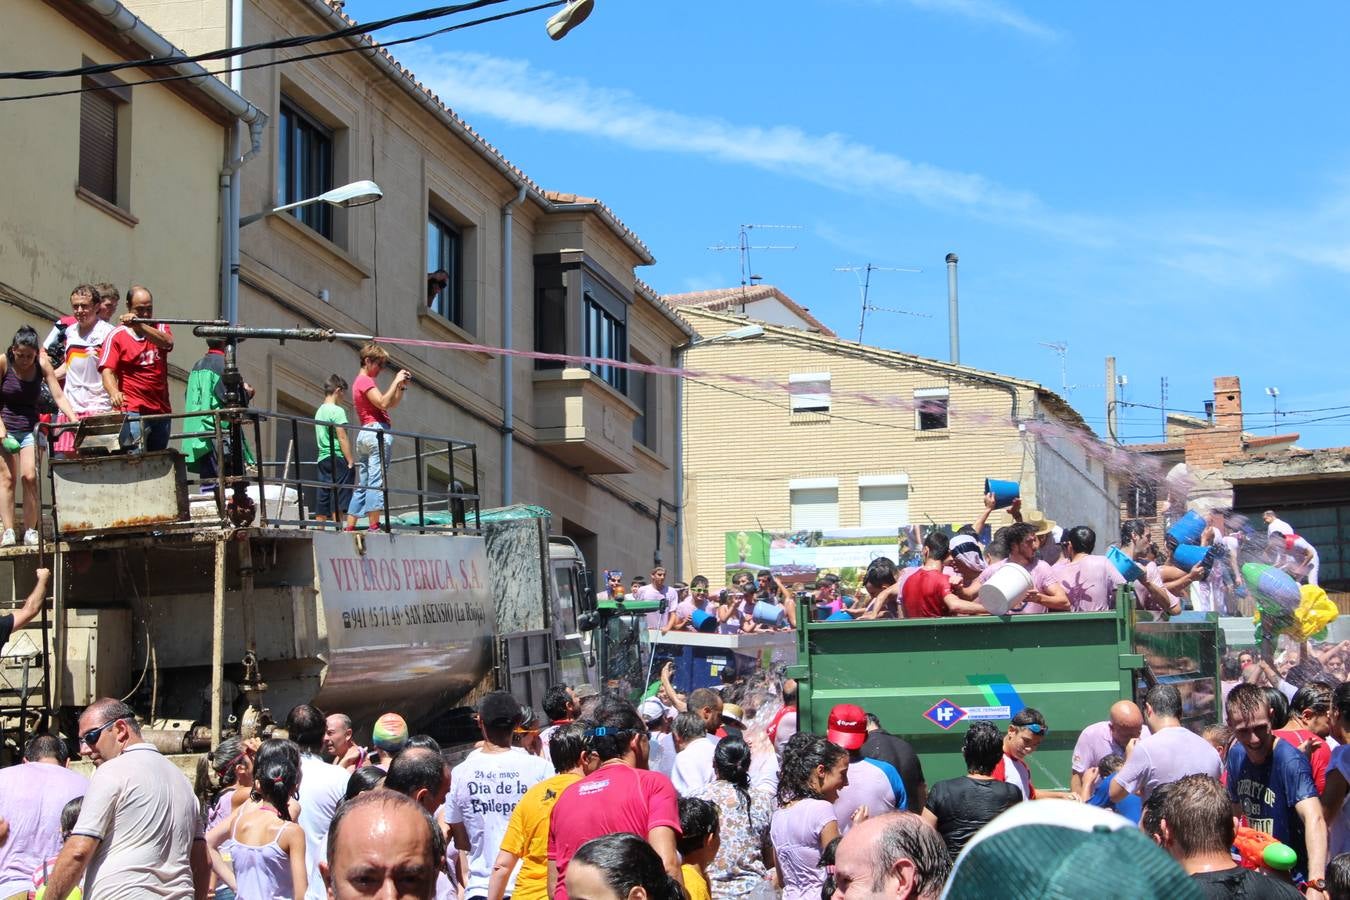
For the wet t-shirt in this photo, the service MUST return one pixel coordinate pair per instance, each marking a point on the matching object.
(1269, 792)
(965, 805)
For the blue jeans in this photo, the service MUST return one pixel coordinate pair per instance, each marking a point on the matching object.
(156, 431)
(372, 458)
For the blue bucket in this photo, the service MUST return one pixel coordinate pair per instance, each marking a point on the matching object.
(703, 621)
(1188, 556)
(1128, 568)
(1005, 492)
(839, 616)
(1187, 529)
(770, 614)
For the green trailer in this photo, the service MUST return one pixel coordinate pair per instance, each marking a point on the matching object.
(927, 679)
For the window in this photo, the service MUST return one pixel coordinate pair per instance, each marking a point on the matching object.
(445, 295)
(930, 409)
(641, 390)
(606, 338)
(815, 503)
(105, 109)
(809, 392)
(1141, 500)
(883, 500)
(437, 492)
(305, 167)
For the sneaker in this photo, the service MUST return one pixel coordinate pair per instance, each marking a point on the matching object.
(569, 17)
(7, 539)
(30, 538)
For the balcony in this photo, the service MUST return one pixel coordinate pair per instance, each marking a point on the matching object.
(583, 422)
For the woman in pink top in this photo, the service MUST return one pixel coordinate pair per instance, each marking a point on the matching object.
(372, 444)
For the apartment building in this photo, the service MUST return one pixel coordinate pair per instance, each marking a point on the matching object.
(464, 248)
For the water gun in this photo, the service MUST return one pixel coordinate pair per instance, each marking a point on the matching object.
(1257, 850)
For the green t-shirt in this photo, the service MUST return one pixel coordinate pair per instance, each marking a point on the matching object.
(327, 437)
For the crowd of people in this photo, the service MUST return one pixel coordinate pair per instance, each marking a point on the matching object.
(93, 362)
(1067, 575)
(713, 794)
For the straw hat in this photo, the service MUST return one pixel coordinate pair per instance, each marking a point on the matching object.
(733, 713)
(1036, 519)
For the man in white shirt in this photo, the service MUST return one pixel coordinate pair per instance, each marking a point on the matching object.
(140, 830)
(657, 590)
(694, 757)
(1275, 523)
(323, 787)
(486, 787)
(1295, 555)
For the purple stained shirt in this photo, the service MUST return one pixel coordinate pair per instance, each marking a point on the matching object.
(1165, 757)
(795, 834)
(867, 786)
(1095, 742)
(1091, 582)
(31, 798)
(1042, 579)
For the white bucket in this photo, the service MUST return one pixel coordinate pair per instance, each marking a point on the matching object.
(1005, 588)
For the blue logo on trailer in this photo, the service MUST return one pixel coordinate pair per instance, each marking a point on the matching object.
(944, 714)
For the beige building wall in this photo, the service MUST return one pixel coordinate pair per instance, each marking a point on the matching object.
(53, 236)
(743, 446)
(374, 277)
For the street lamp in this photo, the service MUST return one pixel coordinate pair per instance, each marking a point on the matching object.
(358, 193)
(570, 16)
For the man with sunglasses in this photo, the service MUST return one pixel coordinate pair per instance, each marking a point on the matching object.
(1025, 732)
(140, 830)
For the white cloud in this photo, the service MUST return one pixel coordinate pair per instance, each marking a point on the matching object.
(990, 12)
(515, 92)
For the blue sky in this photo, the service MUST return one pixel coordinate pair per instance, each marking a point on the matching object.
(1167, 185)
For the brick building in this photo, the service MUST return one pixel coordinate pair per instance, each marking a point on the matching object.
(814, 455)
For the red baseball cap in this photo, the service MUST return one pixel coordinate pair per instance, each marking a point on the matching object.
(848, 726)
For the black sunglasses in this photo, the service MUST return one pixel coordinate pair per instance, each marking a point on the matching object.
(90, 737)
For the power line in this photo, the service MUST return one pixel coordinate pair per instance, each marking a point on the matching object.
(225, 53)
(360, 48)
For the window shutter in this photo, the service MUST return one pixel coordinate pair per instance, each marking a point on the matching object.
(98, 144)
(884, 505)
(815, 509)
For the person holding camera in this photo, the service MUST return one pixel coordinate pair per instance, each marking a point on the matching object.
(372, 444)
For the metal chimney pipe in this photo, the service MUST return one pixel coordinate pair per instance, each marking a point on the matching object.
(953, 318)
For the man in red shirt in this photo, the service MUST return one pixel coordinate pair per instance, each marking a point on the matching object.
(927, 593)
(135, 368)
(621, 795)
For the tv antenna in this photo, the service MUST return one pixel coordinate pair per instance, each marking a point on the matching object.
(1061, 349)
(743, 247)
(864, 276)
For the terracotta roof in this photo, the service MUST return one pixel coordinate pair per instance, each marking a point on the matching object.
(333, 9)
(1164, 447)
(721, 299)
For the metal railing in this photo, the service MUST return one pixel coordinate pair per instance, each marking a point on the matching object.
(408, 502)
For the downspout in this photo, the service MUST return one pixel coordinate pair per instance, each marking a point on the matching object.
(508, 363)
(679, 464)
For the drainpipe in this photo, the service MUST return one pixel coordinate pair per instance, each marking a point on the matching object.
(953, 320)
(679, 466)
(129, 26)
(508, 363)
